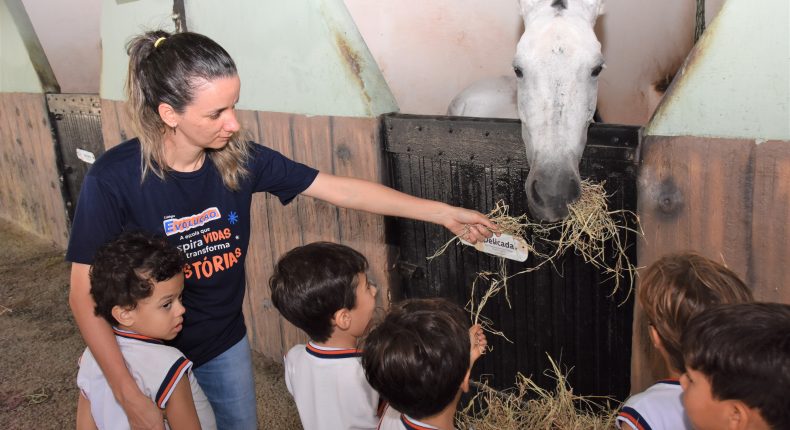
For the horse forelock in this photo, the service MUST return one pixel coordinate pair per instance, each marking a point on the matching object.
(559, 4)
(560, 35)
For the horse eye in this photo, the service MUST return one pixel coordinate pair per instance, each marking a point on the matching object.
(597, 71)
(518, 71)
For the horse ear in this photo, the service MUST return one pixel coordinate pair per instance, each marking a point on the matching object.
(528, 6)
(593, 9)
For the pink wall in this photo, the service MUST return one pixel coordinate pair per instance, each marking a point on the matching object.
(69, 33)
(429, 51)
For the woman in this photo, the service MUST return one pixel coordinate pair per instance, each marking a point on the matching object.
(190, 173)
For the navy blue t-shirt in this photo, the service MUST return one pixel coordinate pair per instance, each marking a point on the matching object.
(200, 216)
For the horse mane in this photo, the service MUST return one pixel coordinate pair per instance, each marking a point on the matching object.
(560, 4)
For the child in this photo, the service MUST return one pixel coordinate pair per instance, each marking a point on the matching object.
(737, 361)
(419, 360)
(136, 283)
(672, 290)
(322, 289)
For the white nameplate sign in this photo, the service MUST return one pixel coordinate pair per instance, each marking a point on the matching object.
(507, 246)
(86, 156)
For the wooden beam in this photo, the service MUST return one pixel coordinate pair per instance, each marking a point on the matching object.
(494, 142)
(179, 16)
(34, 49)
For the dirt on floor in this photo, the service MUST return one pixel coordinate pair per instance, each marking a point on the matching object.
(40, 343)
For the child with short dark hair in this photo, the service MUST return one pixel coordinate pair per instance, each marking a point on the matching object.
(737, 360)
(136, 283)
(419, 359)
(670, 292)
(322, 288)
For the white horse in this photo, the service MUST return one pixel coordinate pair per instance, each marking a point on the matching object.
(554, 93)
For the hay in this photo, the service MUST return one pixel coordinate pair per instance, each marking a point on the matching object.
(589, 226)
(527, 406)
(587, 230)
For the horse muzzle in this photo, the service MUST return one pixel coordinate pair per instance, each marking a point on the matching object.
(550, 191)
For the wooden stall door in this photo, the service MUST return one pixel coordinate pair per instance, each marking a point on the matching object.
(569, 311)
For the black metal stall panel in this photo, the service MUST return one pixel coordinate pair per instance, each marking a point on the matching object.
(569, 311)
(76, 119)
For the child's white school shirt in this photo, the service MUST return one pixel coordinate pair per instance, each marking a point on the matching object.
(155, 367)
(658, 407)
(330, 389)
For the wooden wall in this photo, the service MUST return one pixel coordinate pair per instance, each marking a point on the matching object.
(30, 192)
(338, 145)
(728, 199)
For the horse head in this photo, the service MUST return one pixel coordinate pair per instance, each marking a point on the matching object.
(557, 63)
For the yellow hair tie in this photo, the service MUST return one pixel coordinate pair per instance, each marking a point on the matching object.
(159, 42)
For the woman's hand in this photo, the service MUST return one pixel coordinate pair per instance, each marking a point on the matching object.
(469, 225)
(142, 413)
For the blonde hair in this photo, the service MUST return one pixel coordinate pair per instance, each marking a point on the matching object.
(679, 286)
(167, 68)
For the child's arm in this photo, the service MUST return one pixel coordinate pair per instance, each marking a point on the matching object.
(140, 410)
(84, 417)
(180, 409)
(479, 343)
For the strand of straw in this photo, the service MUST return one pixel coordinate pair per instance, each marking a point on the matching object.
(37, 398)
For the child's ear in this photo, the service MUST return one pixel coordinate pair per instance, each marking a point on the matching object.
(465, 383)
(124, 316)
(342, 319)
(655, 339)
(737, 415)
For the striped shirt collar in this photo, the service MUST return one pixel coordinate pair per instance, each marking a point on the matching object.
(634, 418)
(327, 352)
(136, 336)
(412, 424)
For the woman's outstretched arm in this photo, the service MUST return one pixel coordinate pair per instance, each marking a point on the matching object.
(368, 196)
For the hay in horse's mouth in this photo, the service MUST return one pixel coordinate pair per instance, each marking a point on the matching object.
(587, 229)
(527, 406)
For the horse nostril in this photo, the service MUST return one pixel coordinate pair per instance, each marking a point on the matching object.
(536, 198)
(575, 190)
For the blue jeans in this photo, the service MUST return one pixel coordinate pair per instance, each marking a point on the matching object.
(228, 383)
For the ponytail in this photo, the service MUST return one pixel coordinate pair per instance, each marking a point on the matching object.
(167, 68)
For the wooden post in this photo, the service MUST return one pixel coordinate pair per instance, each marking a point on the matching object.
(727, 199)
